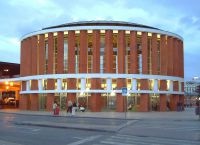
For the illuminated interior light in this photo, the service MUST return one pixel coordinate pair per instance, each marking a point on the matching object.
(6, 70)
(115, 31)
(82, 93)
(102, 31)
(114, 86)
(66, 32)
(7, 87)
(158, 35)
(77, 31)
(11, 83)
(149, 34)
(127, 32)
(129, 86)
(89, 31)
(88, 85)
(139, 33)
(112, 93)
(55, 34)
(45, 35)
(6, 82)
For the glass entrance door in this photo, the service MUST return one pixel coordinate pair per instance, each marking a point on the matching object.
(154, 102)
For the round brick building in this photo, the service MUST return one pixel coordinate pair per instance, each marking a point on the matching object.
(90, 62)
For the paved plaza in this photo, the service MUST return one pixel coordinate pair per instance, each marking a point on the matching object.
(131, 128)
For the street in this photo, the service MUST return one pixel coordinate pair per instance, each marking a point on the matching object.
(132, 132)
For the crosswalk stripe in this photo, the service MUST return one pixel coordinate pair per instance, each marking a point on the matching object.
(136, 140)
(85, 140)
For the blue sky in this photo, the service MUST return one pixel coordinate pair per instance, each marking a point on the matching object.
(19, 17)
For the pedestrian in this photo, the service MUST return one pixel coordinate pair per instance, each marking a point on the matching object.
(74, 107)
(69, 106)
(168, 106)
(54, 107)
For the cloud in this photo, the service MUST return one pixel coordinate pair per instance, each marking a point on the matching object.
(9, 48)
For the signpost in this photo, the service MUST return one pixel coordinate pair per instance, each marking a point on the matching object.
(124, 93)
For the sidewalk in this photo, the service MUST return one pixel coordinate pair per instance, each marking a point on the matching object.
(188, 114)
(99, 121)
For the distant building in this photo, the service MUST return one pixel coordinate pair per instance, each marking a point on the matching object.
(9, 90)
(89, 62)
(190, 92)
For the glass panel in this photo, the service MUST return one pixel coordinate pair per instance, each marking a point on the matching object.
(42, 101)
(102, 53)
(65, 55)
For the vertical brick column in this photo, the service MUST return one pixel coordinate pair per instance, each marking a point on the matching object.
(175, 86)
(175, 58)
(144, 99)
(144, 53)
(179, 58)
(28, 57)
(71, 83)
(182, 59)
(96, 100)
(60, 54)
(50, 82)
(154, 54)
(173, 102)
(50, 53)
(23, 99)
(121, 100)
(34, 97)
(50, 96)
(23, 102)
(33, 57)
(83, 51)
(181, 100)
(163, 56)
(109, 51)
(41, 54)
(34, 100)
(22, 73)
(25, 71)
(133, 53)
(170, 56)
(163, 97)
(163, 71)
(22, 58)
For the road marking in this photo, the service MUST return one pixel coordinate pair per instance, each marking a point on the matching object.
(2, 142)
(25, 129)
(78, 138)
(135, 140)
(88, 139)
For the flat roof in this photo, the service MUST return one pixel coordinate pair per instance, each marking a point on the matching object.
(9, 69)
(100, 23)
(103, 25)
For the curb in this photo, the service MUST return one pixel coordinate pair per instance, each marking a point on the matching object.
(54, 125)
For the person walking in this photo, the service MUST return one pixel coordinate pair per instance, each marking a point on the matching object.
(74, 107)
(69, 106)
(54, 107)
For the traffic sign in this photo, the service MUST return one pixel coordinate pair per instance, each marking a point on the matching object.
(124, 91)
